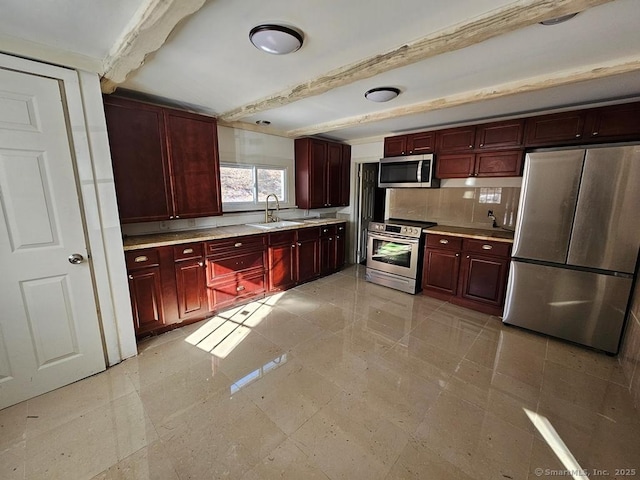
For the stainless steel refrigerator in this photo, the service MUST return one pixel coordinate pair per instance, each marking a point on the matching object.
(576, 244)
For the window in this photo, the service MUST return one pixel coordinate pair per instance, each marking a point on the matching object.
(248, 185)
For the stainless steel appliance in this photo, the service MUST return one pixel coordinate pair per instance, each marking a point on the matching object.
(394, 254)
(576, 244)
(415, 171)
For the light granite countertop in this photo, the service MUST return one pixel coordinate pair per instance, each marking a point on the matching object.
(478, 233)
(137, 242)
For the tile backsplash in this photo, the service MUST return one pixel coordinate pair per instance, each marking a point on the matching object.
(463, 206)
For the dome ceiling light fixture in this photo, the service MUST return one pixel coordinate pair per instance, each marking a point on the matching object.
(276, 39)
(382, 94)
(557, 20)
(263, 122)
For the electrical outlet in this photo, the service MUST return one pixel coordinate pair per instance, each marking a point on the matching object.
(490, 213)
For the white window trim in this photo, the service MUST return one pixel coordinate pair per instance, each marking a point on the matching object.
(257, 205)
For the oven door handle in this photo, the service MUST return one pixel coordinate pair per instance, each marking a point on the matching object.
(390, 238)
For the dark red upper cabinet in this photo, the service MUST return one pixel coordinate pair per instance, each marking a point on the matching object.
(139, 157)
(419, 143)
(614, 123)
(500, 135)
(555, 129)
(459, 139)
(322, 173)
(195, 169)
(395, 146)
(165, 161)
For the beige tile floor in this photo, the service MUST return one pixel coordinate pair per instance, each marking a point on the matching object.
(335, 379)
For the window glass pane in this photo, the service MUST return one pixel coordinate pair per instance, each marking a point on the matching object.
(236, 184)
(271, 180)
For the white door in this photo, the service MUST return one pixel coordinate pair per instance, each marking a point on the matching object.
(49, 330)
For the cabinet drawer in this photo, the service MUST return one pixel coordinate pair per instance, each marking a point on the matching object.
(224, 294)
(224, 266)
(142, 258)
(229, 245)
(187, 251)
(308, 234)
(327, 230)
(499, 249)
(281, 238)
(444, 241)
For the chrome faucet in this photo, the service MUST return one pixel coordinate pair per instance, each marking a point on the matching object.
(268, 217)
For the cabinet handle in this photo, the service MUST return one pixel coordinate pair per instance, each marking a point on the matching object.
(171, 217)
(293, 246)
(467, 256)
(444, 241)
(487, 247)
(187, 250)
(238, 244)
(482, 144)
(299, 244)
(457, 255)
(239, 288)
(470, 146)
(578, 135)
(141, 258)
(337, 237)
(177, 216)
(130, 277)
(331, 239)
(594, 133)
(201, 264)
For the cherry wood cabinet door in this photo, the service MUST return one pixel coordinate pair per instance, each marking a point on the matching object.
(395, 146)
(614, 123)
(145, 289)
(456, 139)
(441, 270)
(191, 288)
(484, 279)
(195, 168)
(308, 259)
(555, 129)
(501, 163)
(419, 143)
(139, 158)
(497, 135)
(340, 245)
(282, 266)
(345, 176)
(327, 255)
(334, 174)
(455, 165)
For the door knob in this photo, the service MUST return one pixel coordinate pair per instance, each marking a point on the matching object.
(75, 258)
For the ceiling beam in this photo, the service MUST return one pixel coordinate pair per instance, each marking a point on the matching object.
(146, 33)
(514, 16)
(542, 82)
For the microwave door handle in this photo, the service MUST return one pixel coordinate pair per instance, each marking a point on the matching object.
(419, 174)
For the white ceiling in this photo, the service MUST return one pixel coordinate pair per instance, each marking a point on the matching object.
(209, 64)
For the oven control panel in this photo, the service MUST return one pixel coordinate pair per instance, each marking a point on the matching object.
(407, 231)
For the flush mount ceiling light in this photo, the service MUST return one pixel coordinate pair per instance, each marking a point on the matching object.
(276, 39)
(382, 94)
(263, 122)
(557, 20)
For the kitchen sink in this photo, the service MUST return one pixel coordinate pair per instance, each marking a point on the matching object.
(273, 225)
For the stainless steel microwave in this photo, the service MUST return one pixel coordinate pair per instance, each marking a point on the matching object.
(413, 171)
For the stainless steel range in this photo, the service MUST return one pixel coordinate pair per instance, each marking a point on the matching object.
(394, 254)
